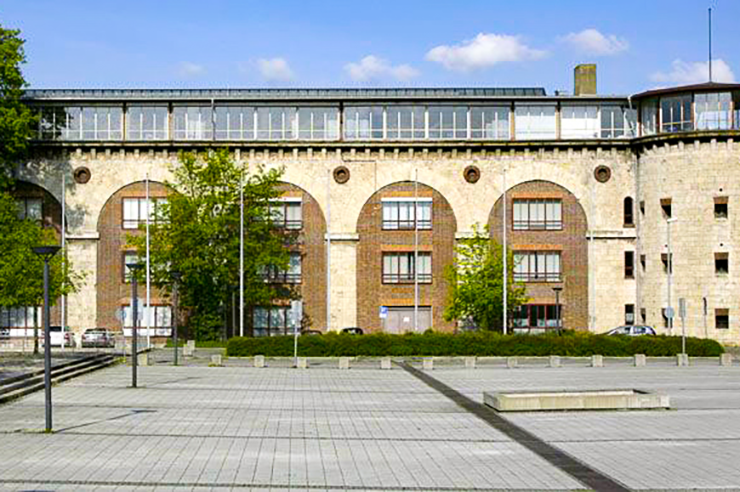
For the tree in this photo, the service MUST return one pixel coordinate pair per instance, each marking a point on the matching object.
(196, 232)
(21, 270)
(476, 282)
(16, 119)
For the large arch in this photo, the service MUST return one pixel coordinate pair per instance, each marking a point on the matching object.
(51, 208)
(373, 290)
(567, 238)
(113, 292)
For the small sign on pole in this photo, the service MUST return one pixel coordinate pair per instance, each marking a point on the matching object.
(383, 312)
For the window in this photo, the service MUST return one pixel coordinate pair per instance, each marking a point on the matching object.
(193, 122)
(319, 123)
(649, 117)
(642, 262)
(129, 257)
(363, 122)
(398, 268)
(405, 122)
(629, 219)
(665, 205)
(617, 122)
(643, 315)
(234, 123)
(30, 208)
(534, 122)
(52, 123)
(146, 123)
(736, 112)
(276, 123)
(580, 122)
(20, 317)
(722, 319)
(720, 207)
(642, 207)
(82, 123)
(536, 266)
(675, 114)
(159, 316)
(448, 122)
(629, 314)
(537, 316)
(666, 321)
(664, 259)
(489, 122)
(401, 214)
(290, 276)
(287, 214)
(629, 264)
(274, 321)
(713, 111)
(721, 263)
(537, 215)
(135, 211)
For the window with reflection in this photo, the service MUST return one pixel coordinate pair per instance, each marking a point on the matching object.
(135, 211)
(401, 214)
(489, 122)
(649, 116)
(405, 122)
(146, 123)
(192, 122)
(579, 122)
(613, 122)
(398, 268)
(287, 214)
(318, 123)
(276, 123)
(273, 321)
(535, 122)
(292, 275)
(736, 112)
(537, 316)
(234, 123)
(675, 114)
(713, 110)
(30, 208)
(537, 266)
(448, 122)
(536, 214)
(363, 122)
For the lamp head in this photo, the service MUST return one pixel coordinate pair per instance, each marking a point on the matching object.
(557, 288)
(176, 275)
(46, 252)
(134, 267)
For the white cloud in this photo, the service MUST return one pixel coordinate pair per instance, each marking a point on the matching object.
(190, 69)
(592, 42)
(686, 73)
(486, 50)
(274, 69)
(371, 68)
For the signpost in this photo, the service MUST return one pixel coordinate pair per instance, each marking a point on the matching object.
(383, 315)
(682, 314)
(296, 307)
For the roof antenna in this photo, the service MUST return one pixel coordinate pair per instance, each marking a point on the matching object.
(710, 44)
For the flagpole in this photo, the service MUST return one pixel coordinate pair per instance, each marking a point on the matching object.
(506, 270)
(64, 256)
(416, 250)
(328, 250)
(241, 251)
(148, 270)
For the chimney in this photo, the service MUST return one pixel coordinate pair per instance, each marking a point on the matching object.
(585, 79)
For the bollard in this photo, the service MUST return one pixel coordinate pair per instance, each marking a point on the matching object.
(259, 361)
(682, 360)
(385, 363)
(597, 361)
(427, 363)
(344, 362)
(144, 359)
(511, 362)
(555, 361)
(469, 362)
(189, 348)
(301, 363)
(725, 360)
(216, 360)
(640, 360)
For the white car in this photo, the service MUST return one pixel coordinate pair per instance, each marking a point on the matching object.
(55, 337)
(632, 330)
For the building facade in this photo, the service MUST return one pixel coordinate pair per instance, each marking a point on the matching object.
(382, 183)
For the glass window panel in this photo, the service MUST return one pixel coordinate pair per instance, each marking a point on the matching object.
(294, 219)
(261, 317)
(579, 122)
(535, 122)
(73, 124)
(490, 123)
(713, 111)
(146, 123)
(676, 114)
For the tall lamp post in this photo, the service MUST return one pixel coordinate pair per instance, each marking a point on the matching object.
(557, 290)
(47, 253)
(176, 277)
(135, 268)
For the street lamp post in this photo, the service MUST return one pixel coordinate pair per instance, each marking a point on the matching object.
(557, 290)
(135, 268)
(46, 253)
(176, 276)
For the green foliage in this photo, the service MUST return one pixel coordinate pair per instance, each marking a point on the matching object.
(16, 120)
(21, 270)
(197, 234)
(477, 284)
(481, 343)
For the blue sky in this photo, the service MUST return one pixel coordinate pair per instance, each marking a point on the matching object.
(283, 43)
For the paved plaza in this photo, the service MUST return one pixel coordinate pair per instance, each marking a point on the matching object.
(220, 428)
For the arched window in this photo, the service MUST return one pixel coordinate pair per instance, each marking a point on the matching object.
(629, 217)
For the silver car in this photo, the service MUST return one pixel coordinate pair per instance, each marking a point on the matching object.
(632, 330)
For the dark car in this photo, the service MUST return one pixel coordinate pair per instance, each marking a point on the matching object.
(354, 330)
(311, 332)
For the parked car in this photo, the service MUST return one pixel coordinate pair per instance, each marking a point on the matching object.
(311, 332)
(354, 330)
(632, 331)
(55, 336)
(97, 337)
